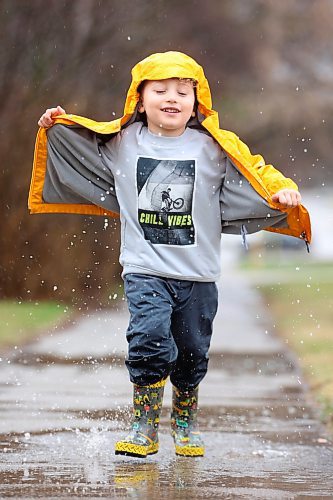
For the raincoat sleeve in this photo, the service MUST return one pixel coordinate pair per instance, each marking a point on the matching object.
(272, 179)
(71, 173)
(246, 195)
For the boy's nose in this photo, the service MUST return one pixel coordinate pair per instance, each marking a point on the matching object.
(172, 97)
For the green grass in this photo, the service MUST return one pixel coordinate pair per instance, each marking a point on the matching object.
(22, 321)
(302, 266)
(300, 298)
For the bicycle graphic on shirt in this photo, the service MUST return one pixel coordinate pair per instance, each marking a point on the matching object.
(168, 203)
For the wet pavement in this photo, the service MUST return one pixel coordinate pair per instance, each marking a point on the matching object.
(65, 400)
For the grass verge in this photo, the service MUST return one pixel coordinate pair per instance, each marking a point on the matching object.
(300, 298)
(22, 321)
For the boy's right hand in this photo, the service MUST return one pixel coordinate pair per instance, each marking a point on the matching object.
(47, 118)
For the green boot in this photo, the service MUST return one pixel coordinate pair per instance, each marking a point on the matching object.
(143, 438)
(184, 423)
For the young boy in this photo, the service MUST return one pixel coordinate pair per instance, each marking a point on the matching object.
(177, 180)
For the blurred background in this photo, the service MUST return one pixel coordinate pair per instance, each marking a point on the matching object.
(270, 68)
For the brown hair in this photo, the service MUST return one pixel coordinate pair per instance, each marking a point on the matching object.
(185, 80)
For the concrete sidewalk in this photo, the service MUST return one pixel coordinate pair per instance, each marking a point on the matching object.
(65, 400)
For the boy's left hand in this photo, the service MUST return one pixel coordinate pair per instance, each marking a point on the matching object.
(287, 197)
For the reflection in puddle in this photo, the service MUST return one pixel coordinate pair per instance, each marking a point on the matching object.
(76, 463)
(136, 475)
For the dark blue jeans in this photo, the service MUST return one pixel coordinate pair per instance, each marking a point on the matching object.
(170, 329)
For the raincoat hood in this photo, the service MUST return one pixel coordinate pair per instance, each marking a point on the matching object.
(165, 65)
(264, 179)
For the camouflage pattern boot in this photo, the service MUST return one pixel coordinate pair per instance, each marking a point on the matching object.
(184, 423)
(143, 438)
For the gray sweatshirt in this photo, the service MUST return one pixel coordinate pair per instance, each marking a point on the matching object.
(174, 194)
(168, 191)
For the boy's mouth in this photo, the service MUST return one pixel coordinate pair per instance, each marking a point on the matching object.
(171, 110)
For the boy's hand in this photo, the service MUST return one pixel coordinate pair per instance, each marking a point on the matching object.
(287, 197)
(47, 118)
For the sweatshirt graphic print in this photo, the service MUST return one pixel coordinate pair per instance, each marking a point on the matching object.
(165, 200)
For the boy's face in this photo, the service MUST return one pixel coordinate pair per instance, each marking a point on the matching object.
(168, 105)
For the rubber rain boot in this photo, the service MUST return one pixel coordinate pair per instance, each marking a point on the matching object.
(143, 437)
(184, 423)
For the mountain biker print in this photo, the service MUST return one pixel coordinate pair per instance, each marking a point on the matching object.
(165, 200)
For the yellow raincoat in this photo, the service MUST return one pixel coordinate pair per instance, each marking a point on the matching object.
(265, 179)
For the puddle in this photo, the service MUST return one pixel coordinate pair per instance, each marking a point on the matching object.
(76, 464)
